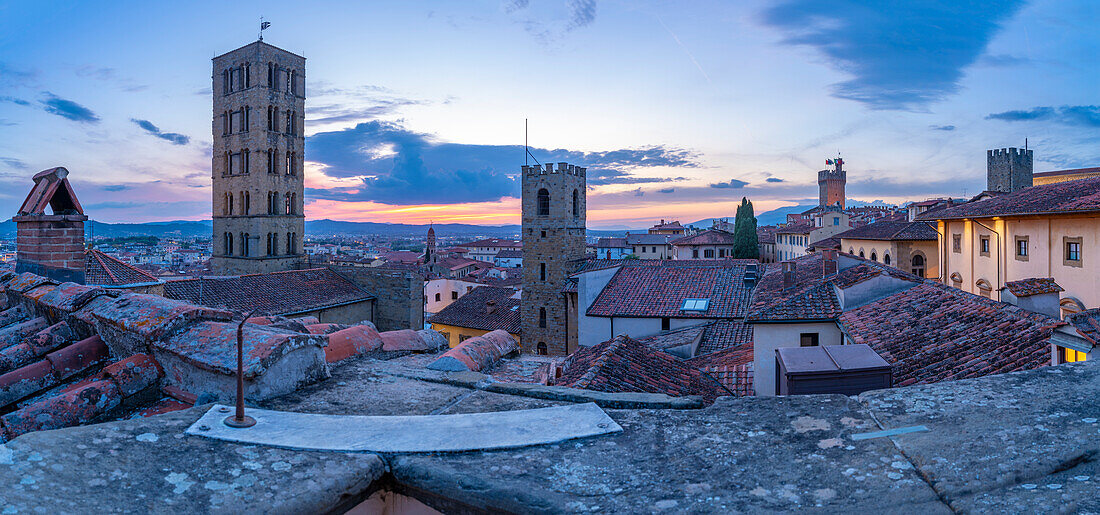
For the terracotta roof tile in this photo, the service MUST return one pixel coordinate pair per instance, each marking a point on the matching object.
(101, 269)
(922, 231)
(660, 291)
(710, 237)
(1081, 196)
(1087, 324)
(486, 307)
(277, 293)
(624, 364)
(933, 332)
(1032, 286)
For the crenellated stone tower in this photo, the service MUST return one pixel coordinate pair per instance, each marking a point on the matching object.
(831, 184)
(554, 216)
(259, 144)
(1008, 169)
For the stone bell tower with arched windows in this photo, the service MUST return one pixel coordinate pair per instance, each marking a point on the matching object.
(554, 216)
(259, 143)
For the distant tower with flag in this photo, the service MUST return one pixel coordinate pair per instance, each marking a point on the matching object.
(831, 183)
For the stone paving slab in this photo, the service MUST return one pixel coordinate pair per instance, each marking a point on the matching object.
(149, 465)
(404, 433)
(989, 436)
(756, 454)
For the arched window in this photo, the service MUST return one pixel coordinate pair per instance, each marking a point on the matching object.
(543, 202)
(230, 202)
(576, 204)
(247, 202)
(438, 297)
(874, 256)
(268, 244)
(851, 250)
(886, 258)
(861, 253)
(274, 243)
(541, 349)
(542, 271)
(289, 241)
(918, 265)
(247, 162)
(247, 118)
(270, 75)
(244, 244)
(289, 122)
(293, 203)
(227, 240)
(542, 317)
(289, 209)
(289, 163)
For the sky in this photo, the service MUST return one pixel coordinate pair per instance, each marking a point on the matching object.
(415, 111)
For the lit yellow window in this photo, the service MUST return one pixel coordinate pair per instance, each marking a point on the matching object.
(1072, 356)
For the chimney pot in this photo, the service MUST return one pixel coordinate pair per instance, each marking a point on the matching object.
(788, 274)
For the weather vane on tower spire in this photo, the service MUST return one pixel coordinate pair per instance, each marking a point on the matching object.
(263, 25)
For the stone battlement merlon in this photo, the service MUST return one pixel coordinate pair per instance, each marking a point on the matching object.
(549, 168)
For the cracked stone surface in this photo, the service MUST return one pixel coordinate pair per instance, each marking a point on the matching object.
(1022, 441)
(149, 465)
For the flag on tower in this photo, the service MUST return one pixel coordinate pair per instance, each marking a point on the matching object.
(828, 161)
(264, 25)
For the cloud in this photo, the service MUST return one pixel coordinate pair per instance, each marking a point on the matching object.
(12, 162)
(901, 55)
(581, 12)
(174, 138)
(115, 187)
(1087, 115)
(773, 179)
(14, 76)
(1002, 60)
(639, 193)
(13, 100)
(342, 113)
(548, 25)
(942, 127)
(392, 165)
(666, 190)
(734, 184)
(68, 109)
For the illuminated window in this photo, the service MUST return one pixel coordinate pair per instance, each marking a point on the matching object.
(1070, 355)
(1072, 254)
(1021, 248)
(983, 245)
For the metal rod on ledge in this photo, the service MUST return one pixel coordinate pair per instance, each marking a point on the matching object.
(239, 419)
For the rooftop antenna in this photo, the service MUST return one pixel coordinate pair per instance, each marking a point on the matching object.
(263, 25)
(527, 149)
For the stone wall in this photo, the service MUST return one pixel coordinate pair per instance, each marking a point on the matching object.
(399, 302)
(1008, 169)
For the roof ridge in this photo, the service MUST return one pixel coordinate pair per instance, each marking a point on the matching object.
(598, 363)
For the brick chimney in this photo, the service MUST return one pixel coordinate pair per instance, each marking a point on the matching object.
(828, 262)
(788, 274)
(51, 243)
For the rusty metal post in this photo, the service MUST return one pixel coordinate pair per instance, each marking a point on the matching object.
(239, 419)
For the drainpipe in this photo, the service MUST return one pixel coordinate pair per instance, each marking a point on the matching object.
(1000, 243)
(943, 252)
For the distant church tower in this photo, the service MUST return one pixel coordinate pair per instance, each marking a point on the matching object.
(831, 184)
(1008, 169)
(259, 143)
(429, 247)
(554, 216)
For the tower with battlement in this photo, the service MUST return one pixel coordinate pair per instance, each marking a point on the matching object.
(1008, 169)
(831, 183)
(257, 171)
(554, 218)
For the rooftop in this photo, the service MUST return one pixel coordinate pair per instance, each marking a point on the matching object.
(660, 291)
(892, 231)
(1081, 196)
(101, 269)
(276, 293)
(1032, 286)
(708, 237)
(485, 307)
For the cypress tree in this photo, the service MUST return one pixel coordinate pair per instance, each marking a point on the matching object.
(745, 242)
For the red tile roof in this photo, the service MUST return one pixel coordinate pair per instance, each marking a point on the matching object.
(486, 308)
(933, 332)
(1032, 286)
(796, 228)
(624, 364)
(892, 231)
(1081, 196)
(708, 237)
(494, 242)
(101, 269)
(1087, 324)
(276, 293)
(401, 256)
(1075, 171)
(611, 243)
(660, 291)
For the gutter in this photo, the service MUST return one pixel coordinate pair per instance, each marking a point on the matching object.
(331, 306)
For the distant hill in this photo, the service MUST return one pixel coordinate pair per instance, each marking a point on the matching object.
(203, 228)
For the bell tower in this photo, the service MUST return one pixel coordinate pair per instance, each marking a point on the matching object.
(257, 172)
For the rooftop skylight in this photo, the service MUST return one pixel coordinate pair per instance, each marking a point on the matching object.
(695, 305)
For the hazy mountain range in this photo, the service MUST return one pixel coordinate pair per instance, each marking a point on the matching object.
(325, 227)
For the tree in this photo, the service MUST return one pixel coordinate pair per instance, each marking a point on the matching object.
(745, 242)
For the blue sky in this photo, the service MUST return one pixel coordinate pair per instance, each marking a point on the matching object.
(415, 110)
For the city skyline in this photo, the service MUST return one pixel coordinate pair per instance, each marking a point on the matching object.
(416, 113)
